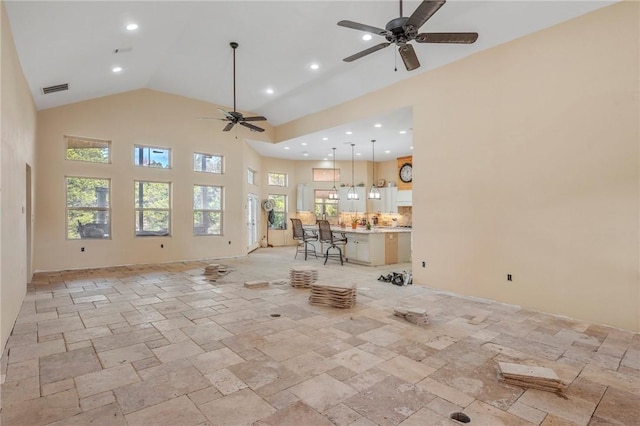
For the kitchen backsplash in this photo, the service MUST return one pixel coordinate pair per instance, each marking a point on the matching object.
(403, 217)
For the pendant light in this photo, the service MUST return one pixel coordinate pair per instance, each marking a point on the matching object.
(333, 194)
(374, 192)
(352, 194)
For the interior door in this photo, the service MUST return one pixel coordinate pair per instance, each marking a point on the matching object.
(252, 222)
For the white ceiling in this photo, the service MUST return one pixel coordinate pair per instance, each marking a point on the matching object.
(182, 47)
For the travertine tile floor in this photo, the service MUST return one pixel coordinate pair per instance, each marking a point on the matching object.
(161, 345)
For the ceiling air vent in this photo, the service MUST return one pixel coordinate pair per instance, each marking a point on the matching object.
(57, 88)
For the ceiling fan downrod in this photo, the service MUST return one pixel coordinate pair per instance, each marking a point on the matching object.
(234, 46)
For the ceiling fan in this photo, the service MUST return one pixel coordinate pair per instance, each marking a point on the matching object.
(234, 117)
(402, 30)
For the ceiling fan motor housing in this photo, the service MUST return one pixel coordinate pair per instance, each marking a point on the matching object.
(399, 33)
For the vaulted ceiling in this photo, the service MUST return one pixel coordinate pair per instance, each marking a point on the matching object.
(182, 47)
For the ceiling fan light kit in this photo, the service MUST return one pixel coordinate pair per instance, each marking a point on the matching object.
(400, 31)
(352, 194)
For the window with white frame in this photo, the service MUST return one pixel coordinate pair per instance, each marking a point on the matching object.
(277, 217)
(152, 202)
(277, 179)
(88, 208)
(207, 210)
(88, 149)
(324, 205)
(151, 156)
(251, 177)
(207, 163)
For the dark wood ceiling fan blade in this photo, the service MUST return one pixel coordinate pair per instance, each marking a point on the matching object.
(256, 118)
(228, 127)
(460, 38)
(362, 27)
(252, 127)
(423, 12)
(409, 57)
(366, 52)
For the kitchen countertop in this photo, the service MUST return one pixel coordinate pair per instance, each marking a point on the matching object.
(373, 230)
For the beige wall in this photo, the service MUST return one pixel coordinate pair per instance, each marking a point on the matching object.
(149, 118)
(18, 122)
(526, 163)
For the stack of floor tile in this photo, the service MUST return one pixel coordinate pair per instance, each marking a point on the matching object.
(529, 376)
(334, 295)
(256, 284)
(303, 276)
(212, 272)
(413, 315)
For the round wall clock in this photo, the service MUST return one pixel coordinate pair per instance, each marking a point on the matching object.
(406, 173)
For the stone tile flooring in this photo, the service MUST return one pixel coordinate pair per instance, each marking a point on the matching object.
(163, 345)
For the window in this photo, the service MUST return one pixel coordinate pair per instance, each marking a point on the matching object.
(277, 179)
(325, 175)
(207, 163)
(149, 156)
(207, 210)
(323, 205)
(251, 177)
(153, 208)
(88, 208)
(278, 216)
(86, 149)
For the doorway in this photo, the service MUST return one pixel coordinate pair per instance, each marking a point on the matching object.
(27, 218)
(252, 222)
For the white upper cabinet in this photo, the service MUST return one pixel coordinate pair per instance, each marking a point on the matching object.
(352, 206)
(387, 202)
(304, 198)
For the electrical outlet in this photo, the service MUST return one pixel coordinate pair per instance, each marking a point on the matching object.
(424, 264)
(229, 242)
(509, 277)
(161, 245)
(81, 248)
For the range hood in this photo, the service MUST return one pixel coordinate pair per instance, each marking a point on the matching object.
(405, 198)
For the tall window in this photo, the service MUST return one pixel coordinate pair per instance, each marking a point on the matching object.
(207, 163)
(88, 208)
(323, 205)
(251, 177)
(278, 216)
(207, 210)
(277, 179)
(153, 208)
(149, 156)
(87, 149)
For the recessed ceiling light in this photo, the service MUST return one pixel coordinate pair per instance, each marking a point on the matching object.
(402, 132)
(132, 27)
(410, 147)
(306, 154)
(330, 155)
(303, 144)
(366, 37)
(325, 159)
(116, 69)
(387, 152)
(357, 153)
(325, 139)
(286, 147)
(349, 133)
(314, 66)
(269, 91)
(377, 125)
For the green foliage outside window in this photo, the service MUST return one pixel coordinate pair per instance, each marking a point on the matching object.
(207, 210)
(85, 149)
(88, 208)
(152, 208)
(278, 216)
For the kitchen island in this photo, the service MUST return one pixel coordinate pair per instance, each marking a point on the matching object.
(378, 246)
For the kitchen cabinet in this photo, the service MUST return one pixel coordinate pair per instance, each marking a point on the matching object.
(304, 198)
(352, 206)
(387, 202)
(405, 198)
(375, 247)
